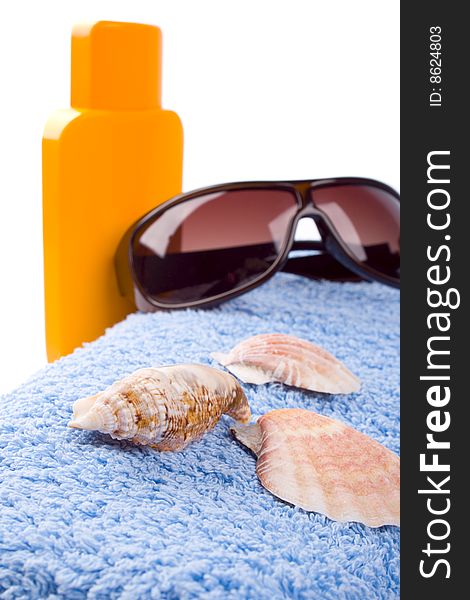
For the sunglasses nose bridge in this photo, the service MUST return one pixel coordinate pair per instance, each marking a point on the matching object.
(306, 230)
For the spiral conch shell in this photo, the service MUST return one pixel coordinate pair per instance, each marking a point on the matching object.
(290, 360)
(323, 465)
(164, 407)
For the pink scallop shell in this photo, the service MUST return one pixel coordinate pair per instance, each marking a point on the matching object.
(322, 465)
(290, 360)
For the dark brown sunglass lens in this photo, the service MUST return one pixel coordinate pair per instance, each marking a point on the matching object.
(212, 244)
(367, 218)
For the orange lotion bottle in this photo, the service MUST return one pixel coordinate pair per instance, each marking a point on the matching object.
(107, 160)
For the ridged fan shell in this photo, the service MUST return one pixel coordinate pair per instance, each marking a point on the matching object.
(322, 465)
(288, 359)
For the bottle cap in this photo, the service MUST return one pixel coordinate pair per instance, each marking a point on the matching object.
(116, 66)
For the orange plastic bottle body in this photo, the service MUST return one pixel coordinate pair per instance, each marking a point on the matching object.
(102, 170)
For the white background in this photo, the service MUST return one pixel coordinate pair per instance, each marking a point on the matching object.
(266, 89)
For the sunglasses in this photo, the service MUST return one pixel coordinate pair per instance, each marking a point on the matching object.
(212, 244)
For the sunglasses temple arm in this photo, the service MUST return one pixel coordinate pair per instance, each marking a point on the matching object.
(319, 266)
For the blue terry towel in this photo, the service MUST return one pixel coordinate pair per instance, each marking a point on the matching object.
(84, 516)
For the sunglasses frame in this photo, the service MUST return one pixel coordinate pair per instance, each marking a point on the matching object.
(300, 189)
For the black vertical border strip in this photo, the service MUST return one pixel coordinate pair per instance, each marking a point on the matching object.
(425, 129)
